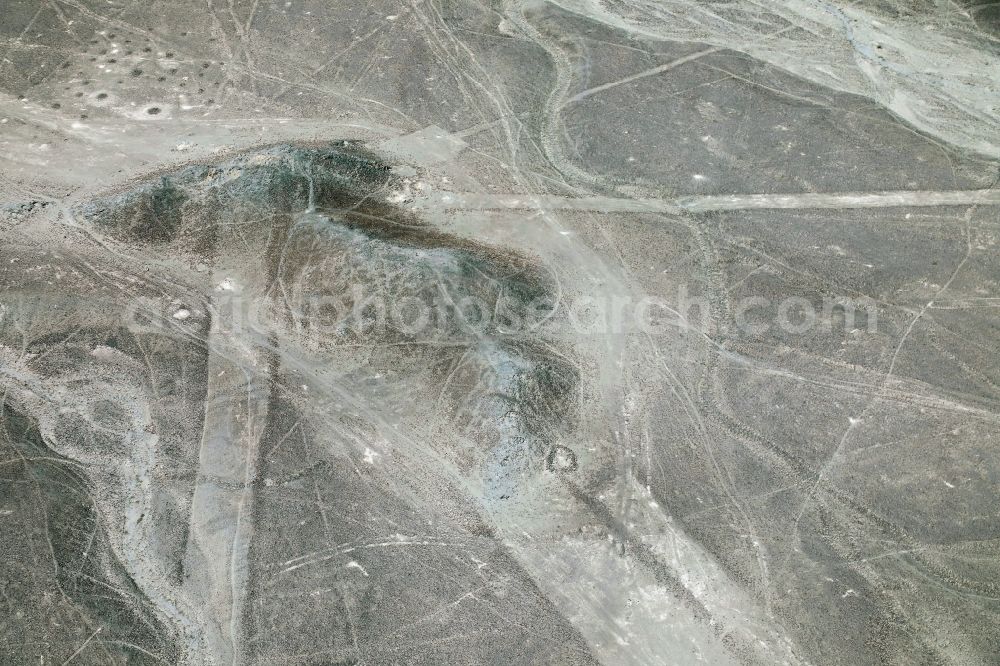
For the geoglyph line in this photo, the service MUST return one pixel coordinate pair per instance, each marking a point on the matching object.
(708, 203)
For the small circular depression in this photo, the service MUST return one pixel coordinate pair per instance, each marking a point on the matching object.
(561, 459)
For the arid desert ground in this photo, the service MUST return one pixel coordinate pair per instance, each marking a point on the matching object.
(499, 332)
